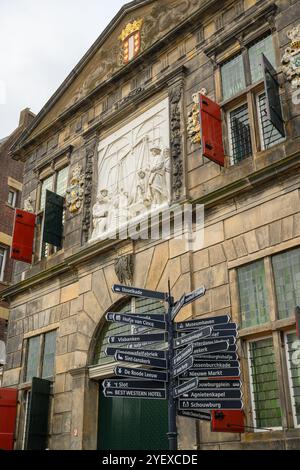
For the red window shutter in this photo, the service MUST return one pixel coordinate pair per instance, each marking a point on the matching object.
(228, 421)
(211, 130)
(8, 413)
(23, 236)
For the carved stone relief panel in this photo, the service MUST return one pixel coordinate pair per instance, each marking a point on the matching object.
(75, 191)
(88, 187)
(134, 171)
(291, 58)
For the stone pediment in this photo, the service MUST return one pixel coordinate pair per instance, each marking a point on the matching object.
(137, 26)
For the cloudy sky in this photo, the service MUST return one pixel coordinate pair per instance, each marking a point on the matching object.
(40, 43)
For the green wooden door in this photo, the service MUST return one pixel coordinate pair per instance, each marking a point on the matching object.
(130, 424)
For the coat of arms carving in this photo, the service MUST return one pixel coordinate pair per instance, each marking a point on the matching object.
(131, 38)
(291, 58)
(75, 191)
(194, 125)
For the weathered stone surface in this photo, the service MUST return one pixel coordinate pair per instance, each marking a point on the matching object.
(92, 307)
(158, 264)
(51, 300)
(101, 292)
(216, 255)
(64, 363)
(69, 293)
(62, 402)
(240, 246)
(230, 251)
(85, 284)
(213, 234)
(11, 377)
(68, 326)
(200, 260)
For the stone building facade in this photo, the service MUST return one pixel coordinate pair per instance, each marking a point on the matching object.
(10, 196)
(132, 96)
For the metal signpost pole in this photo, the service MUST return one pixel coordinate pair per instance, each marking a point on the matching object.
(172, 432)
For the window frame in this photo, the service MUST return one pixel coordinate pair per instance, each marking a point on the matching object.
(41, 337)
(248, 95)
(289, 374)
(3, 266)
(15, 193)
(251, 387)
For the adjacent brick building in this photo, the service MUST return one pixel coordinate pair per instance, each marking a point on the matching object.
(132, 101)
(11, 183)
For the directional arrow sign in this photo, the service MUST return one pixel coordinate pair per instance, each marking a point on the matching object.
(136, 384)
(212, 348)
(135, 320)
(219, 384)
(221, 357)
(195, 324)
(211, 373)
(110, 352)
(145, 361)
(213, 394)
(187, 299)
(211, 405)
(144, 394)
(185, 387)
(141, 374)
(199, 364)
(228, 326)
(136, 292)
(183, 367)
(159, 338)
(207, 342)
(202, 415)
(185, 354)
(192, 337)
(224, 334)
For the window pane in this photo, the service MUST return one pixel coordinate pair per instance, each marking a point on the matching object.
(286, 268)
(240, 137)
(12, 198)
(264, 382)
(264, 46)
(47, 184)
(112, 329)
(49, 355)
(293, 355)
(62, 182)
(2, 262)
(253, 295)
(33, 358)
(233, 77)
(269, 133)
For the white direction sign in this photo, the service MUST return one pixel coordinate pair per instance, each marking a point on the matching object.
(198, 394)
(211, 405)
(187, 299)
(141, 374)
(201, 415)
(183, 367)
(212, 348)
(192, 337)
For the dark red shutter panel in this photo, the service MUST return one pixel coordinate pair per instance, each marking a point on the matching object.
(228, 421)
(211, 131)
(8, 413)
(23, 236)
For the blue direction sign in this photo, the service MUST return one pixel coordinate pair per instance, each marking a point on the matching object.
(201, 415)
(212, 348)
(141, 374)
(187, 299)
(145, 361)
(219, 384)
(192, 337)
(185, 387)
(135, 320)
(212, 373)
(211, 405)
(136, 384)
(110, 352)
(144, 394)
(195, 324)
(185, 354)
(136, 292)
(183, 367)
(131, 339)
(204, 364)
(212, 394)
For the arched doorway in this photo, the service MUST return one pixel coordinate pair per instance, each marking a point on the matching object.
(129, 424)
